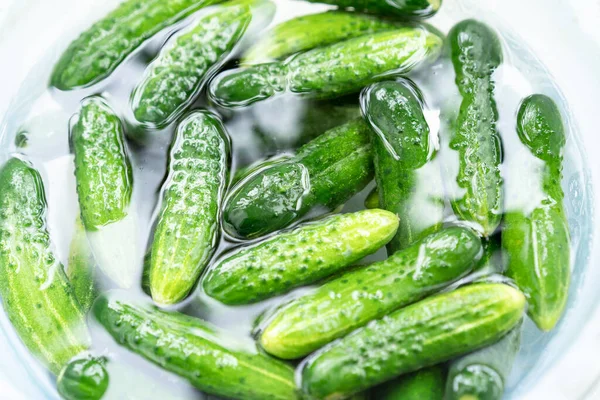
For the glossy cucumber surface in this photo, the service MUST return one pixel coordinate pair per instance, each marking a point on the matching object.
(83, 378)
(402, 8)
(425, 384)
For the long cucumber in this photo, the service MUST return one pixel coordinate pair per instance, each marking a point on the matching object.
(425, 384)
(81, 269)
(401, 8)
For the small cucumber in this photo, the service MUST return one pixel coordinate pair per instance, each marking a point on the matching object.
(97, 52)
(196, 351)
(476, 54)
(425, 384)
(325, 172)
(402, 8)
(188, 223)
(406, 182)
(537, 242)
(174, 79)
(81, 269)
(370, 292)
(330, 71)
(372, 200)
(298, 257)
(83, 379)
(420, 335)
(37, 296)
(482, 375)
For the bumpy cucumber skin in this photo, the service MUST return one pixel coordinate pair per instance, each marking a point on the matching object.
(301, 256)
(401, 147)
(97, 52)
(81, 270)
(310, 31)
(482, 375)
(537, 245)
(174, 79)
(36, 294)
(327, 172)
(83, 379)
(195, 351)
(425, 384)
(188, 224)
(102, 169)
(359, 296)
(402, 8)
(423, 334)
(330, 71)
(476, 54)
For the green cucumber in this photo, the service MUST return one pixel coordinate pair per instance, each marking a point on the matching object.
(188, 226)
(407, 183)
(402, 8)
(372, 200)
(537, 241)
(327, 172)
(308, 253)
(425, 384)
(330, 71)
(366, 293)
(37, 296)
(423, 334)
(254, 168)
(174, 79)
(476, 54)
(81, 269)
(196, 351)
(83, 379)
(482, 375)
(98, 51)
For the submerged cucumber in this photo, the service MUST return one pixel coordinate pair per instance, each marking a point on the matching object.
(196, 351)
(407, 183)
(359, 296)
(188, 224)
(476, 54)
(302, 256)
(36, 294)
(402, 8)
(81, 269)
(425, 384)
(537, 241)
(330, 71)
(97, 52)
(83, 379)
(423, 334)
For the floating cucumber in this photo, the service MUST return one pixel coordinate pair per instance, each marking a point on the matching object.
(196, 351)
(81, 269)
(325, 172)
(476, 54)
(537, 242)
(37, 296)
(361, 295)
(420, 335)
(425, 384)
(97, 52)
(254, 168)
(175, 78)
(402, 8)
(298, 257)
(188, 224)
(330, 71)
(83, 379)
(407, 183)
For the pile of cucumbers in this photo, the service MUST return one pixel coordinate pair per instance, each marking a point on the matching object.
(417, 325)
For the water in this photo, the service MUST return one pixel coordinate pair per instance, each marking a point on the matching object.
(42, 116)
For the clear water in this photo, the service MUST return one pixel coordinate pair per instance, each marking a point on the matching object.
(44, 115)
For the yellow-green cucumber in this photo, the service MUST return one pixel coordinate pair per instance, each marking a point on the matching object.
(81, 269)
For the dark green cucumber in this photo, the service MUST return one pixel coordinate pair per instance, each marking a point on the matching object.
(174, 79)
(188, 223)
(325, 172)
(83, 379)
(537, 241)
(196, 351)
(402, 8)
(252, 169)
(476, 54)
(407, 183)
(482, 375)
(97, 52)
(36, 294)
(298, 257)
(81, 269)
(425, 384)
(330, 71)
(420, 335)
(361, 295)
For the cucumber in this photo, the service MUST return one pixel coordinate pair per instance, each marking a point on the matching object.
(172, 82)
(482, 375)
(402, 8)
(476, 54)
(425, 384)
(370, 292)
(330, 71)
(310, 31)
(98, 51)
(254, 168)
(81, 269)
(537, 241)
(298, 257)
(372, 200)
(37, 296)
(196, 351)
(423, 334)
(327, 172)
(407, 183)
(188, 226)
(83, 379)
